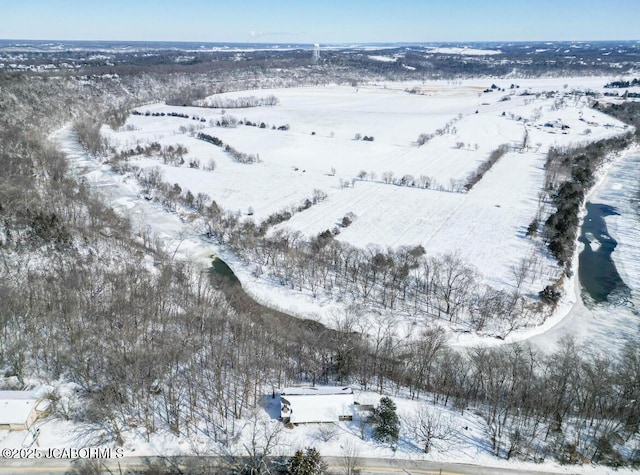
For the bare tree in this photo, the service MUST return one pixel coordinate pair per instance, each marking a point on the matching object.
(262, 443)
(521, 271)
(425, 181)
(429, 426)
(326, 432)
(350, 458)
(453, 288)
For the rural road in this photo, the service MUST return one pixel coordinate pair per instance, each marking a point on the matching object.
(212, 465)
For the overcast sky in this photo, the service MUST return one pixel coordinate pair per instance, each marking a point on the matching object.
(322, 21)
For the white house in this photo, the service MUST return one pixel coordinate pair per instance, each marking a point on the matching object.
(20, 409)
(316, 404)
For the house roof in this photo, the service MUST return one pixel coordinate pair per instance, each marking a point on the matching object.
(323, 404)
(316, 390)
(15, 406)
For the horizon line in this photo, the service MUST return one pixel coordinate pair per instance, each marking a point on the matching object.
(355, 43)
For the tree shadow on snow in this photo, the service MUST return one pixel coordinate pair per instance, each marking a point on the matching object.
(271, 405)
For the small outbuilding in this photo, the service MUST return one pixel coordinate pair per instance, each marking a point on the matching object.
(20, 409)
(316, 404)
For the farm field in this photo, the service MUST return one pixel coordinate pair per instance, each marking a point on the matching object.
(395, 191)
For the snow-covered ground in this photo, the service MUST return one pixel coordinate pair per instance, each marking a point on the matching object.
(174, 235)
(319, 151)
(465, 51)
(502, 186)
(384, 59)
(467, 442)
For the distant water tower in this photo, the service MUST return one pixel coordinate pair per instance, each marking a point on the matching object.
(316, 52)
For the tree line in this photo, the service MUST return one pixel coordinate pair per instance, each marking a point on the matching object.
(569, 174)
(238, 156)
(242, 102)
(404, 281)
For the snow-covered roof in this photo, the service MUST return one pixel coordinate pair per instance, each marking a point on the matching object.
(15, 406)
(322, 404)
(325, 390)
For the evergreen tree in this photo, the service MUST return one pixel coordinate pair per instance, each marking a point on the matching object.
(386, 425)
(307, 462)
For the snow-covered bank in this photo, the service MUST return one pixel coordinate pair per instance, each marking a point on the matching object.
(605, 327)
(177, 237)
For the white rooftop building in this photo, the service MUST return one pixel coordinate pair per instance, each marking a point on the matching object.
(20, 409)
(316, 404)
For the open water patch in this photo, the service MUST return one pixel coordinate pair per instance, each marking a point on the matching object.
(598, 274)
(222, 270)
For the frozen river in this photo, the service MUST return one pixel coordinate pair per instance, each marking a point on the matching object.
(606, 324)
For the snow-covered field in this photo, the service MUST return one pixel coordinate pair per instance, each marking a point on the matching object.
(387, 214)
(465, 51)
(319, 151)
